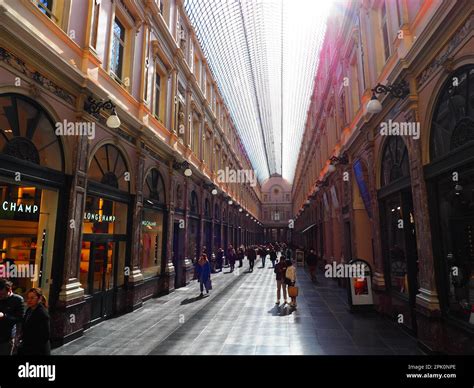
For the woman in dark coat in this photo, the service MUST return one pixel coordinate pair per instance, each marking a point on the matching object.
(35, 338)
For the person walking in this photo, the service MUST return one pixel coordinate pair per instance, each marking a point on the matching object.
(290, 276)
(35, 330)
(273, 256)
(251, 256)
(262, 253)
(231, 257)
(219, 259)
(241, 255)
(203, 269)
(280, 271)
(12, 309)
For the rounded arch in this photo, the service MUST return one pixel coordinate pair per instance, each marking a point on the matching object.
(452, 115)
(154, 186)
(109, 167)
(28, 132)
(394, 160)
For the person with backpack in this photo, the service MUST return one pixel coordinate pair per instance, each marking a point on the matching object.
(280, 271)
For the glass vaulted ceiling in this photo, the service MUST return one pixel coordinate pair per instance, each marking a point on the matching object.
(263, 55)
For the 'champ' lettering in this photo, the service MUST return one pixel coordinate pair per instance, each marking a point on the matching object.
(20, 208)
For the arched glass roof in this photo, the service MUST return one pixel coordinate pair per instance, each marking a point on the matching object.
(263, 55)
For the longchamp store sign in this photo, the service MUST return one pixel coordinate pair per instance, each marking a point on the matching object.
(19, 208)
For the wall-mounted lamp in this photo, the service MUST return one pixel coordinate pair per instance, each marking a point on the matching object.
(400, 90)
(184, 165)
(343, 159)
(93, 107)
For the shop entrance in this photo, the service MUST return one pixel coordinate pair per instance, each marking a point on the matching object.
(99, 270)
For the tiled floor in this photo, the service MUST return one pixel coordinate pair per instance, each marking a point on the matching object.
(240, 318)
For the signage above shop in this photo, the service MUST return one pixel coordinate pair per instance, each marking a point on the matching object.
(149, 223)
(98, 217)
(19, 208)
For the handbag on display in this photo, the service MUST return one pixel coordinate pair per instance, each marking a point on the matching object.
(293, 291)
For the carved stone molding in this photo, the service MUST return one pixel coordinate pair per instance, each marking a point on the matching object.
(445, 56)
(16, 63)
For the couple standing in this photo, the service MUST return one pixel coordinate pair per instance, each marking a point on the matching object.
(285, 276)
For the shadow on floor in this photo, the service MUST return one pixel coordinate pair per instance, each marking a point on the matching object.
(192, 300)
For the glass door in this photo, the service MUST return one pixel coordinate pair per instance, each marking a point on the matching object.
(99, 261)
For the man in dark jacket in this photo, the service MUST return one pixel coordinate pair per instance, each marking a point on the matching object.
(251, 256)
(280, 270)
(262, 253)
(12, 310)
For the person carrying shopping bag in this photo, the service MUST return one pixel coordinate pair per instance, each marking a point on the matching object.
(203, 270)
(290, 276)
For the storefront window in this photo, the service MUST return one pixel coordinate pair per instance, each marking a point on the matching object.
(398, 221)
(104, 216)
(396, 244)
(152, 242)
(27, 230)
(456, 215)
(105, 222)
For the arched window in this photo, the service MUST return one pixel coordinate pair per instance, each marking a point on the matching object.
(155, 187)
(453, 120)
(194, 205)
(395, 164)
(109, 168)
(28, 133)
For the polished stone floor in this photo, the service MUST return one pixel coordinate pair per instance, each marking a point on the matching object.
(239, 317)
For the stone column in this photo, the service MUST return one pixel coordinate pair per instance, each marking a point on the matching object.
(378, 275)
(135, 278)
(170, 274)
(70, 316)
(428, 312)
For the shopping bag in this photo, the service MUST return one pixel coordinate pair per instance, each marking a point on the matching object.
(293, 291)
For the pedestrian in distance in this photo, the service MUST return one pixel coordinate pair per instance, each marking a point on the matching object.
(273, 256)
(251, 256)
(241, 255)
(280, 271)
(231, 256)
(290, 276)
(203, 269)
